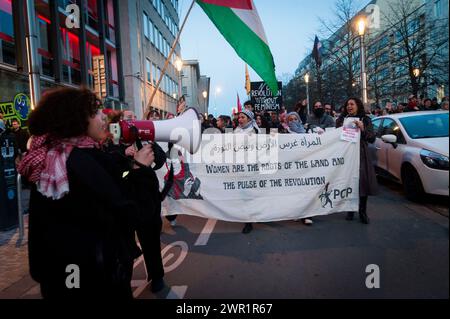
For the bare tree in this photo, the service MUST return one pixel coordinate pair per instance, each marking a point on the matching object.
(418, 39)
(377, 67)
(342, 49)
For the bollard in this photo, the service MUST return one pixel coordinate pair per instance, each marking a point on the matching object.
(19, 205)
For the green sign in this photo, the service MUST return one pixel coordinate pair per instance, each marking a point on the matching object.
(18, 109)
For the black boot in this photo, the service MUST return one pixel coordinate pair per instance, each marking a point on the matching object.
(349, 216)
(363, 210)
(247, 228)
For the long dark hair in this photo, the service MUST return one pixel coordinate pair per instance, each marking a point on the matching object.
(361, 111)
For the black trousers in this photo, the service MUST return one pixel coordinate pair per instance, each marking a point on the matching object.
(148, 233)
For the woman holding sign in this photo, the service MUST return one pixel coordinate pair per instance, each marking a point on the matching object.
(354, 108)
(247, 125)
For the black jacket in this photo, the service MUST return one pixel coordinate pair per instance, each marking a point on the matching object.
(91, 227)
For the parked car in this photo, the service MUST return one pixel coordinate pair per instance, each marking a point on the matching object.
(412, 149)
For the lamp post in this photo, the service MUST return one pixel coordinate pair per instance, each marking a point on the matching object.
(416, 73)
(307, 92)
(179, 67)
(205, 95)
(361, 31)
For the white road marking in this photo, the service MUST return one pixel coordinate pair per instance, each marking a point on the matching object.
(202, 240)
(166, 256)
(138, 283)
(177, 292)
(139, 290)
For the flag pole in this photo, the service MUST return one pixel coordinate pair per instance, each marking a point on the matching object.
(163, 71)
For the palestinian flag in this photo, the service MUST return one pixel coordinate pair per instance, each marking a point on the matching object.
(239, 22)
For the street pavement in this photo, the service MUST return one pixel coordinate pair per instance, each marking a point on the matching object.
(206, 259)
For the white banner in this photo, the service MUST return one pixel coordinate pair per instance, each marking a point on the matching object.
(262, 178)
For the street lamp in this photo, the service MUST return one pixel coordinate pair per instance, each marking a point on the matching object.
(361, 30)
(307, 91)
(179, 67)
(416, 73)
(205, 95)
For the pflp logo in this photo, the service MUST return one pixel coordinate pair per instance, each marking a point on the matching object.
(328, 196)
(325, 197)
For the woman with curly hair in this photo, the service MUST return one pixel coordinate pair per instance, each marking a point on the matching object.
(82, 211)
(367, 180)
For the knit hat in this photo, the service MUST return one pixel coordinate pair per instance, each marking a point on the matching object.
(249, 114)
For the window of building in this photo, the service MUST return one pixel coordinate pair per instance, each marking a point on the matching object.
(383, 42)
(151, 31)
(113, 77)
(160, 40)
(148, 70)
(159, 7)
(70, 57)
(7, 43)
(157, 38)
(154, 69)
(145, 24)
(92, 51)
(92, 15)
(44, 45)
(158, 74)
(413, 26)
(438, 8)
(110, 29)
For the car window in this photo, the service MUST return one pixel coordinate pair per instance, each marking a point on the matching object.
(426, 125)
(391, 127)
(376, 126)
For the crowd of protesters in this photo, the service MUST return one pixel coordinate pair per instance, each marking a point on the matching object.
(80, 196)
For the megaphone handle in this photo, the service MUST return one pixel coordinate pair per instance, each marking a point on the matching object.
(138, 143)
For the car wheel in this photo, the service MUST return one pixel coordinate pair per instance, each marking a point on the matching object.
(412, 184)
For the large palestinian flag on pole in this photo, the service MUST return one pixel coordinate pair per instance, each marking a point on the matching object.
(239, 22)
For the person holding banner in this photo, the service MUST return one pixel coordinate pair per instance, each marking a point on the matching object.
(295, 126)
(367, 179)
(247, 125)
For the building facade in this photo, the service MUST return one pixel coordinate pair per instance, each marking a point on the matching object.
(149, 28)
(404, 54)
(66, 52)
(195, 87)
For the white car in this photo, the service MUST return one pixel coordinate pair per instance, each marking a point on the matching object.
(412, 149)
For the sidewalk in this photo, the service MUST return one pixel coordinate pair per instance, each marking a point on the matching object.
(15, 280)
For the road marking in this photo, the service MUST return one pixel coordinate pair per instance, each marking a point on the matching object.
(166, 256)
(202, 240)
(177, 292)
(140, 289)
(138, 283)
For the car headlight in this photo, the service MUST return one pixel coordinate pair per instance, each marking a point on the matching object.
(434, 160)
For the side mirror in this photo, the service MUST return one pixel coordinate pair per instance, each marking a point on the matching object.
(391, 139)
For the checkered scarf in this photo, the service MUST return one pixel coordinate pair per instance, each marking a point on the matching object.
(45, 163)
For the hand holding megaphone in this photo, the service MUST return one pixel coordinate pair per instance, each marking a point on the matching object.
(184, 131)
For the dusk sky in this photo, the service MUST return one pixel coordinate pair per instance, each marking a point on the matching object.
(290, 27)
